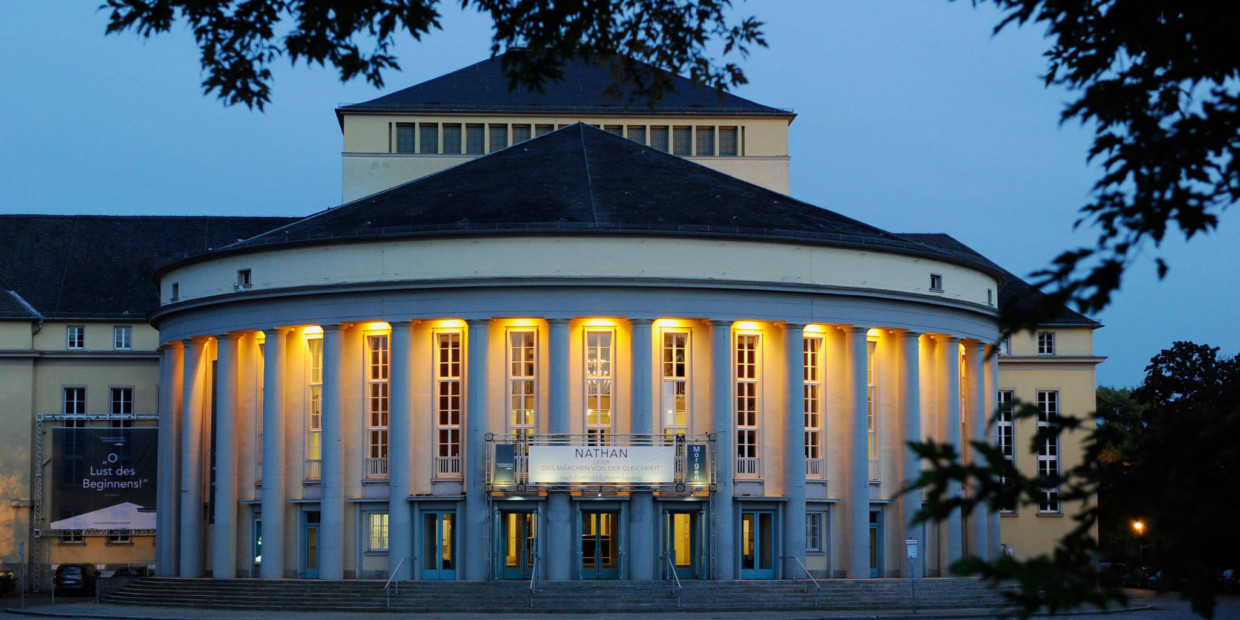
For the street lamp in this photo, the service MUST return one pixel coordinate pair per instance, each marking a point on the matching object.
(1140, 529)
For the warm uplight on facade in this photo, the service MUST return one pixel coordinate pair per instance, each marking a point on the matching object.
(376, 326)
(600, 323)
(523, 323)
(666, 323)
(747, 325)
(314, 330)
(448, 324)
(873, 332)
(814, 328)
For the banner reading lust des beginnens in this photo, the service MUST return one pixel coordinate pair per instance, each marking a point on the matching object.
(103, 478)
(602, 465)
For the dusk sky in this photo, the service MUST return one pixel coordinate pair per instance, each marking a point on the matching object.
(911, 116)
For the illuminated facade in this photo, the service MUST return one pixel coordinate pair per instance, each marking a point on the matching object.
(487, 391)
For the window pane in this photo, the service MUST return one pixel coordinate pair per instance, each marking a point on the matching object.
(705, 141)
(475, 140)
(428, 138)
(542, 130)
(520, 133)
(637, 134)
(452, 139)
(659, 139)
(682, 141)
(499, 137)
(728, 143)
(405, 138)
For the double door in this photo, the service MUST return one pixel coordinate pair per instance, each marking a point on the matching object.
(758, 544)
(439, 544)
(682, 543)
(600, 544)
(518, 541)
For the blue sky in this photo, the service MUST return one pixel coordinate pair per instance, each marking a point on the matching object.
(911, 117)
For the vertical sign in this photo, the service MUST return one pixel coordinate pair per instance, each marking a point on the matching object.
(505, 464)
(695, 465)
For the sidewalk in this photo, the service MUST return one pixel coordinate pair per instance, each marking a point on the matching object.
(40, 605)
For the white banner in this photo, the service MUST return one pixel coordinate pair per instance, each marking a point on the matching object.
(602, 464)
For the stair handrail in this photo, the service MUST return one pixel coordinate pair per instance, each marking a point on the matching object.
(391, 579)
(533, 579)
(675, 578)
(808, 578)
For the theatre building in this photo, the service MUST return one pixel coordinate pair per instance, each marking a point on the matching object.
(579, 356)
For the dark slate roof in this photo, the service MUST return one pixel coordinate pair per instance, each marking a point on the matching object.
(583, 180)
(1014, 290)
(483, 87)
(99, 267)
(12, 306)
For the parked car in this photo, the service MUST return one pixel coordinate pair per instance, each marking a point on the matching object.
(78, 578)
(1112, 573)
(1227, 582)
(129, 571)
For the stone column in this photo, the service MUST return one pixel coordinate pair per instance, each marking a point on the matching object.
(723, 425)
(993, 533)
(910, 427)
(794, 451)
(642, 523)
(274, 503)
(975, 398)
(857, 479)
(475, 457)
(224, 547)
(400, 454)
(191, 459)
(171, 391)
(559, 531)
(331, 483)
(952, 526)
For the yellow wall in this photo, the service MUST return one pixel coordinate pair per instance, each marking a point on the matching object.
(1071, 373)
(586, 257)
(371, 163)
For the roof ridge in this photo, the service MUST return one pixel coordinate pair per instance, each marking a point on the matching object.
(585, 160)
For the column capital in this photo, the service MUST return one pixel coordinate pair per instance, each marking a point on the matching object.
(912, 335)
(478, 322)
(278, 329)
(950, 339)
(854, 329)
(719, 323)
(559, 321)
(791, 325)
(332, 327)
(641, 321)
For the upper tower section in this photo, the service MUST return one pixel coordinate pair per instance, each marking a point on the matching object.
(468, 113)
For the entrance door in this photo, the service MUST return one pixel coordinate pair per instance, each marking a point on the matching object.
(681, 542)
(438, 546)
(600, 545)
(876, 543)
(519, 540)
(757, 544)
(310, 538)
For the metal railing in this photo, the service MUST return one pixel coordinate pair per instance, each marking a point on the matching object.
(808, 578)
(448, 466)
(815, 468)
(377, 468)
(747, 467)
(533, 579)
(675, 578)
(387, 587)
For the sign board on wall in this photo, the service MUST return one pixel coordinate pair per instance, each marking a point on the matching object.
(602, 464)
(103, 478)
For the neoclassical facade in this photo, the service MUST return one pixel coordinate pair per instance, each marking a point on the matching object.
(580, 358)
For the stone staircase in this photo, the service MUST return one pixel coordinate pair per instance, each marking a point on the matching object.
(567, 597)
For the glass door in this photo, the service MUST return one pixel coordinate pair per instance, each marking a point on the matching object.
(876, 543)
(757, 544)
(310, 550)
(600, 545)
(519, 539)
(438, 545)
(681, 542)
